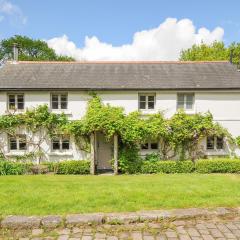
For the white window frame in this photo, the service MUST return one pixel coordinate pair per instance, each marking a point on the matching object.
(146, 95)
(185, 101)
(60, 138)
(215, 147)
(59, 95)
(17, 139)
(16, 101)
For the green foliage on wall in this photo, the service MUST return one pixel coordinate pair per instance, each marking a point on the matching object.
(178, 136)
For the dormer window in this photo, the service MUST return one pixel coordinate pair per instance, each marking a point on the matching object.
(59, 101)
(15, 101)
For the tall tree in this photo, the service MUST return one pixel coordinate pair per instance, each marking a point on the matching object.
(212, 52)
(30, 49)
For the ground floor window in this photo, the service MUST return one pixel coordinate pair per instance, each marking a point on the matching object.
(60, 143)
(215, 143)
(17, 142)
(149, 146)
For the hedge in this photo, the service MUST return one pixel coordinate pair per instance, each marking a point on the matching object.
(218, 166)
(73, 167)
(167, 167)
(152, 166)
(14, 168)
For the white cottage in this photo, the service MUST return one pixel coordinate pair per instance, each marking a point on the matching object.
(145, 86)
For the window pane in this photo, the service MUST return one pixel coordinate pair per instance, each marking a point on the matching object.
(54, 101)
(63, 101)
(150, 105)
(154, 145)
(20, 101)
(180, 101)
(13, 143)
(65, 144)
(142, 105)
(180, 105)
(219, 142)
(54, 105)
(56, 144)
(22, 143)
(144, 146)
(11, 101)
(151, 98)
(63, 97)
(63, 105)
(189, 101)
(142, 98)
(210, 143)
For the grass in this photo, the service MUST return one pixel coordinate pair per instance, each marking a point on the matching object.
(53, 194)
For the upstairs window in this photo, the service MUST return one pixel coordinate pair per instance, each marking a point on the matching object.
(185, 101)
(146, 101)
(18, 142)
(149, 146)
(59, 101)
(215, 143)
(60, 143)
(15, 101)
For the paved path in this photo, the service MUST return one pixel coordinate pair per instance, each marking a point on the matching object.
(184, 230)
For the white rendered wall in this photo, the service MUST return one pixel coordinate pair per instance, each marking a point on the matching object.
(223, 105)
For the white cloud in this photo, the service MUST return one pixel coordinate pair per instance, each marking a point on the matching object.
(12, 11)
(162, 43)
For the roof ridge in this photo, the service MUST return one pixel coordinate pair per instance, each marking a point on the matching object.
(118, 62)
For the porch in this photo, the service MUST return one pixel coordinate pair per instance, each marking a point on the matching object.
(104, 153)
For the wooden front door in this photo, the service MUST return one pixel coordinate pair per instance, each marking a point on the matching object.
(104, 152)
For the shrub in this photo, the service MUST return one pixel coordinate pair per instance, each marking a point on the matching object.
(167, 167)
(129, 160)
(152, 157)
(218, 166)
(14, 168)
(39, 169)
(52, 166)
(73, 167)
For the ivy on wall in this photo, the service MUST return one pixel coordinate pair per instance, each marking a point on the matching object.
(178, 136)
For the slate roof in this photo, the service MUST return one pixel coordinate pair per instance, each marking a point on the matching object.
(119, 76)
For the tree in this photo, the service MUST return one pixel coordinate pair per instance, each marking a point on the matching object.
(30, 49)
(213, 52)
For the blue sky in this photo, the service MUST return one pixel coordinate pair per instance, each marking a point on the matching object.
(113, 22)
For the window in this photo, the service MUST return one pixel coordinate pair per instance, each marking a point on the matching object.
(59, 101)
(17, 142)
(15, 101)
(215, 143)
(149, 146)
(60, 143)
(146, 101)
(185, 101)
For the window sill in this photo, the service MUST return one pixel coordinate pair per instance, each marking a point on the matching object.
(213, 152)
(15, 111)
(60, 111)
(68, 153)
(147, 111)
(16, 153)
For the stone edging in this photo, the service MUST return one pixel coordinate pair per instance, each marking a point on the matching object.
(53, 221)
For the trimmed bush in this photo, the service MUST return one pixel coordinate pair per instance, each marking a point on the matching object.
(218, 166)
(167, 167)
(14, 168)
(73, 167)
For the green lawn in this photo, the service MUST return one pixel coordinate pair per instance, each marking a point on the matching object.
(49, 194)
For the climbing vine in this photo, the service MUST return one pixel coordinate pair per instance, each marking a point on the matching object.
(178, 136)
